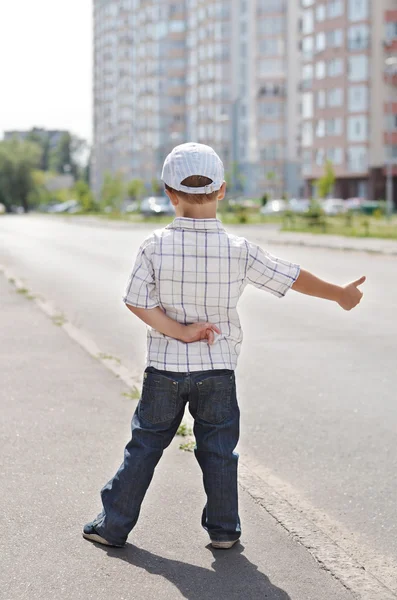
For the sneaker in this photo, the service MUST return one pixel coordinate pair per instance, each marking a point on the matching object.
(223, 545)
(90, 533)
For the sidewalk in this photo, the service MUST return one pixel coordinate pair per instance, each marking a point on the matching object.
(63, 428)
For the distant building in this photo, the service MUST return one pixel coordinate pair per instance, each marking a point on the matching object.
(54, 136)
(277, 87)
(59, 182)
(222, 73)
(348, 103)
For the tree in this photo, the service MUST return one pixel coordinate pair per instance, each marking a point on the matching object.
(42, 139)
(112, 193)
(67, 156)
(40, 194)
(61, 156)
(235, 179)
(17, 163)
(156, 186)
(84, 195)
(135, 189)
(326, 183)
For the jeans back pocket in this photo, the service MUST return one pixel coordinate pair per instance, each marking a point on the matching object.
(215, 398)
(158, 403)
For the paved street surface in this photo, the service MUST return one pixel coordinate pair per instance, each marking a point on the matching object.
(317, 385)
(64, 423)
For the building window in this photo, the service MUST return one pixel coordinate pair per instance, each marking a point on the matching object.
(358, 98)
(320, 157)
(334, 8)
(320, 70)
(307, 162)
(307, 134)
(273, 26)
(272, 152)
(391, 32)
(335, 155)
(177, 26)
(320, 128)
(321, 14)
(307, 105)
(307, 48)
(392, 153)
(335, 38)
(358, 67)
(335, 97)
(271, 131)
(271, 110)
(272, 89)
(358, 10)
(357, 158)
(268, 6)
(357, 129)
(270, 66)
(320, 41)
(272, 47)
(307, 75)
(334, 126)
(358, 37)
(391, 122)
(321, 99)
(335, 67)
(307, 22)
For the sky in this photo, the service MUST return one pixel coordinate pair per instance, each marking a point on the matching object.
(46, 65)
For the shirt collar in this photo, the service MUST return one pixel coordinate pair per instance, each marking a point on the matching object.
(196, 224)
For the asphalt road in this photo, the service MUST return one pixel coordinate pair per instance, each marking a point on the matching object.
(317, 385)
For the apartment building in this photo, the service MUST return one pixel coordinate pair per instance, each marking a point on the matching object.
(217, 71)
(113, 93)
(348, 100)
(53, 136)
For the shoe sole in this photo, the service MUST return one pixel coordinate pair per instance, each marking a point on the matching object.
(224, 545)
(94, 537)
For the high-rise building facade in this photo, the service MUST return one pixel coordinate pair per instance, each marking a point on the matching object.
(113, 127)
(219, 72)
(348, 100)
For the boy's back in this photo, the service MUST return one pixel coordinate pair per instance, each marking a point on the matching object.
(196, 271)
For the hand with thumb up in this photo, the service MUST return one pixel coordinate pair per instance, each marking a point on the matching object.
(351, 295)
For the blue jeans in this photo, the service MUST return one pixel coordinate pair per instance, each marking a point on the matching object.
(213, 404)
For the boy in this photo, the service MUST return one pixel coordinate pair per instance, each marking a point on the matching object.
(185, 286)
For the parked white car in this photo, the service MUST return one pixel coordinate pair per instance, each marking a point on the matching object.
(299, 206)
(334, 206)
(274, 207)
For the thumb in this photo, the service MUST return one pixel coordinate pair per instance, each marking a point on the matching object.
(359, 281)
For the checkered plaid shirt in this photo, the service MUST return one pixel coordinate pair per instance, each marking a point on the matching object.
(196, 271)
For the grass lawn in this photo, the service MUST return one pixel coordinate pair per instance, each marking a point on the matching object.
(350, 225)
(228, 218)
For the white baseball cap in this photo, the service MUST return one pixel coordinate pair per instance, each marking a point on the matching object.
(191, 159)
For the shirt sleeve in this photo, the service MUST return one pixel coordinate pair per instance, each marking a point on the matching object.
(269, 273)
(141, 290)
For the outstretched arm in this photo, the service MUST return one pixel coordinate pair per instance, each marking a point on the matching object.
(158, 320)
(347, 296)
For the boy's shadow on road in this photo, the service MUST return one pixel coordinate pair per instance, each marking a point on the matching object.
(233, 576)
